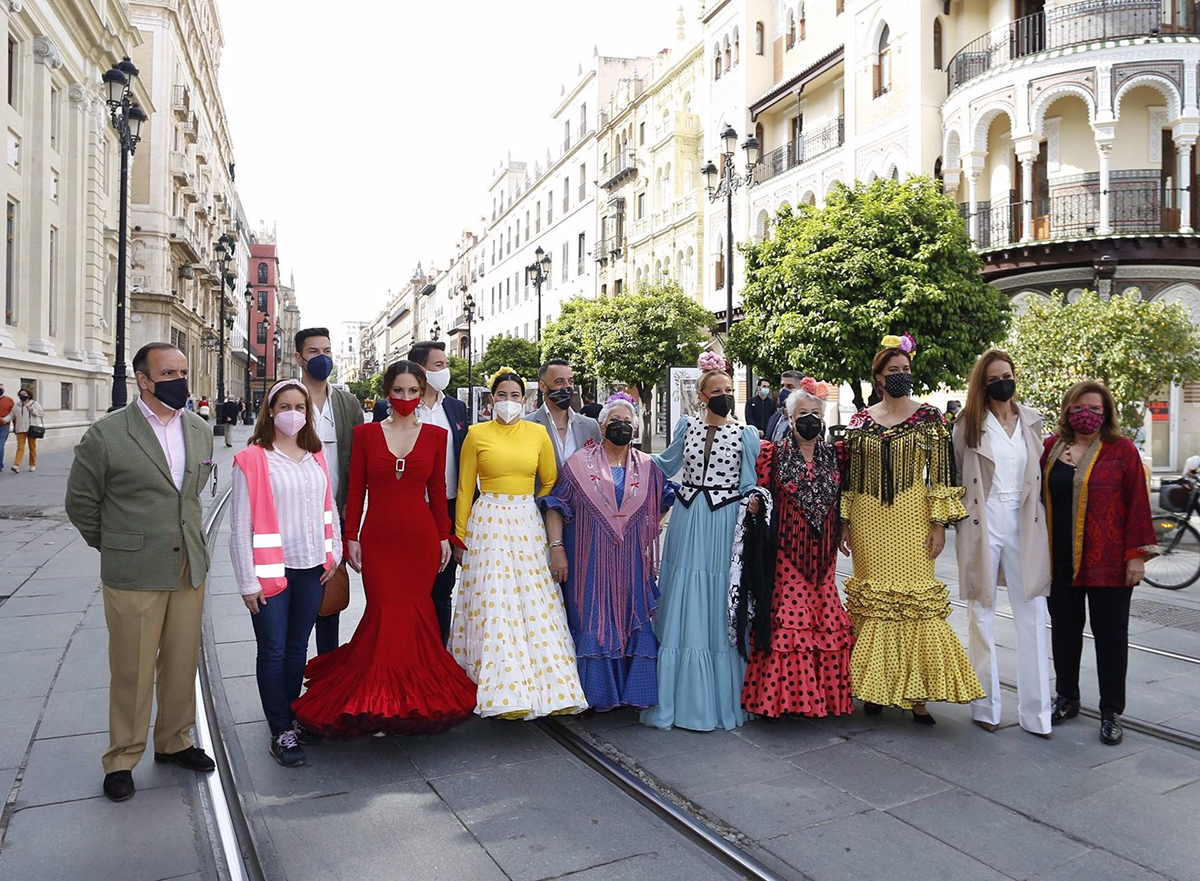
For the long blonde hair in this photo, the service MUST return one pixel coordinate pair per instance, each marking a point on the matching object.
(974, 412)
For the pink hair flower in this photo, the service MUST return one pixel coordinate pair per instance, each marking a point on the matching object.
(620, 396)
(710, 361)
(810, 386)
(907, 344)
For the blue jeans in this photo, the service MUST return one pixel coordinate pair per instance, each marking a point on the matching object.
(282, 628)
(4, 429)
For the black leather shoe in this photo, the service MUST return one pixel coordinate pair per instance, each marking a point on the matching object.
(925, 718)
(1111, 731)
(193, 758)
(1063, 709)
(872, 709)
(118, 785)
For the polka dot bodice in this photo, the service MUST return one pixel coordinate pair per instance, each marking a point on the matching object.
(719, 475)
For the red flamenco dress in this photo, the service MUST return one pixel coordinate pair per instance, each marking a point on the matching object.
(394, 676)
(806, 669)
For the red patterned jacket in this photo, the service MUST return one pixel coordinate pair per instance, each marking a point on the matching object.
(1112, 520)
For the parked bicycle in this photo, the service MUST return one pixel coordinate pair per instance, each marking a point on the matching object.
(1178, 562)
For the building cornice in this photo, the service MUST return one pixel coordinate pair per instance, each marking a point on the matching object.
(708, 16)
(797, 83)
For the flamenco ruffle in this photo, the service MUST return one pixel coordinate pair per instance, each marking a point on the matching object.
(945, 504)
(805, 682)
(902, 662)
(628, 679)
(894, 601)
(707, 690)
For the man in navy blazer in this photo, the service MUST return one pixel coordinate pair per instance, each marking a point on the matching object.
(451, 414)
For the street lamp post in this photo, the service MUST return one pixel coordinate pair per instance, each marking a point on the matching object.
(127, 118)
(249, 316)
(435, 331)
(469, 314)
(726, 188)
(224, 249)
(536, 273)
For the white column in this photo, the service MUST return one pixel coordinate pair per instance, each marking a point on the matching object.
(973, 204)
(1183, 163)
(1104, 149)
(1026, 196)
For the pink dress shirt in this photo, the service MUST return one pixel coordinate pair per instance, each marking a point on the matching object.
(170, 438)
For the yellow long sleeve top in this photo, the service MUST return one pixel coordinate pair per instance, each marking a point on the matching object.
(505, 459)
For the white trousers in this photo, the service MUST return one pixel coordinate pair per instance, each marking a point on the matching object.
(1029, 618)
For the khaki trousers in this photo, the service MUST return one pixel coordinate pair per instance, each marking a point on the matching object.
(22, 439)
(153, 640)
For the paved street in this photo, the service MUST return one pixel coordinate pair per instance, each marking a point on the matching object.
(849, 798)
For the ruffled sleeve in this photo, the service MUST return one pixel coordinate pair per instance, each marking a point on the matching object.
(943, 494)
(562, 497)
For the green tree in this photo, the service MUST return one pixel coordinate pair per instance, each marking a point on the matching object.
(366, 388)
(1137, 348)
(632, 338)
(506, 351)
(460, 376)
(890, 257)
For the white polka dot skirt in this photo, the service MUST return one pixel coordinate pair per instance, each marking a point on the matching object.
(510, 627)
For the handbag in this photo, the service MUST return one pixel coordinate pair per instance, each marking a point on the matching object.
(337, 592)
(37, 431)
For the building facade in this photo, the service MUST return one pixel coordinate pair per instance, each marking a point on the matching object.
(266, 335)
(61, 182)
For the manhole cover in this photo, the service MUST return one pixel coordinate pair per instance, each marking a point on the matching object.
(21, 512)
(1165, 614)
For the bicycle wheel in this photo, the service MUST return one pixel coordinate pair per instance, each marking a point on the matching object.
(1178, 562)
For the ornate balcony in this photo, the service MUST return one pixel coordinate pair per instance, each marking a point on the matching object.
(618, 170)
(809, 146)
(1072, 25)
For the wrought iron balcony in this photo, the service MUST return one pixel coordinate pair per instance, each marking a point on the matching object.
(617, 171)
(1071, 25)
(809, 146)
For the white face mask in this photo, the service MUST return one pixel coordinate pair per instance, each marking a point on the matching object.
(439, 379)
(507, 411)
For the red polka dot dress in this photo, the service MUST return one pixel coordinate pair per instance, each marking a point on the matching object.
(806, 668)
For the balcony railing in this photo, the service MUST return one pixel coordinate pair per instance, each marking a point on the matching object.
(617, 170)
(1070, 25)
(809, 146)
(1134, 209)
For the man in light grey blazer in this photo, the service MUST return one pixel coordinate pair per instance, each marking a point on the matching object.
(134, 495)
(569, 431)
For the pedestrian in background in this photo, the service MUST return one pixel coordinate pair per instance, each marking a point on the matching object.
(800, 659)
(134, 495)
(335, 413)
(602, 521)
(899, 498)
(29, 422)
(285, 543)
(450, 414)
(760, 408)
(381, 410)
(1101, 534)
(700, 674)
(230, 410)
(777, 425)
(590, 408)
(6, 421)
(522, 671)
(1003, 539)
(204, 408)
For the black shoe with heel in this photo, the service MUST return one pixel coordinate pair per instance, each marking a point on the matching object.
(925, 718)
(872, 709)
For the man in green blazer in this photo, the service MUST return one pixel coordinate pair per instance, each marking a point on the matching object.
(134, 495)
(335, 413)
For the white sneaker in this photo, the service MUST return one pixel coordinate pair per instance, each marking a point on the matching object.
(33, 468)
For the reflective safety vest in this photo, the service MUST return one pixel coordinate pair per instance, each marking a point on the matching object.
(267, 542)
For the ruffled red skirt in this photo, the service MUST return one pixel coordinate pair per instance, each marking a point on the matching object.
(394, 676)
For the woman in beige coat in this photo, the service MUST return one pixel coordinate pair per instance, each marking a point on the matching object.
(1003, 540)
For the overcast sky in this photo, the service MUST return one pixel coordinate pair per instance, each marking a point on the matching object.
(369, 138)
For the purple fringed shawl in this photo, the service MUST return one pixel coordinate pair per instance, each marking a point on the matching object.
(613, 538)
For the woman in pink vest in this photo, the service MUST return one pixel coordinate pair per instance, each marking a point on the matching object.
(285, 543)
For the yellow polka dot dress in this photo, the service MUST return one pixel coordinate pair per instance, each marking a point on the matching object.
(901, 480)
(510, 626)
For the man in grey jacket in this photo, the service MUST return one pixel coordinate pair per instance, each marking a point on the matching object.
(569, 431)
(134, 495)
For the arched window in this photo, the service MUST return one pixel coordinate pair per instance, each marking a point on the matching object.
(801, 17)
(883, 66)
(758, 136)
(937, 44)
(937, 168)
(717, 61)
(262, 273)
(687, 102)
(760, 39)
(790, 41)
(737, 46)
(720, 271)
(728, 54)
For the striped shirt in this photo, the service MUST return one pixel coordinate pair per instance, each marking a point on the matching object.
(298, 489)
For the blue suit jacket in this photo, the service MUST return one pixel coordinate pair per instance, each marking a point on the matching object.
(456, 412)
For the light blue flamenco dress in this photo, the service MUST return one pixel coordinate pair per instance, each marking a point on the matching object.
(699, 673)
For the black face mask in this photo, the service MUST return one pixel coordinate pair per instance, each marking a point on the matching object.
(808, 426)
(898, 385)
(172, 392)
(721, 404)
(1002, 389)
(619, 433)
(561, 397)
